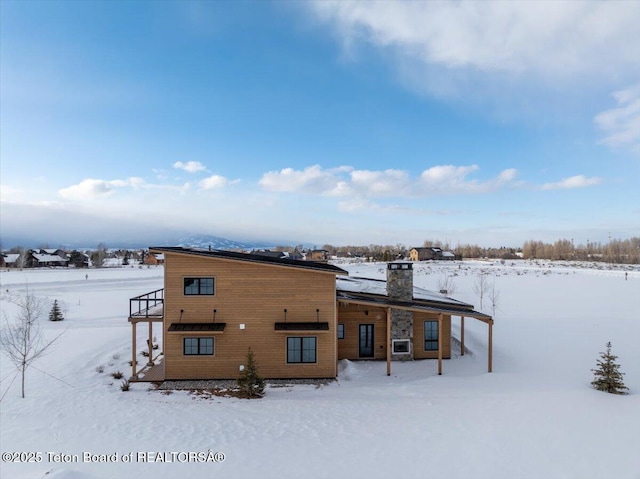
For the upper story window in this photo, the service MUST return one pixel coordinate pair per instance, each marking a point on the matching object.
(198, 286)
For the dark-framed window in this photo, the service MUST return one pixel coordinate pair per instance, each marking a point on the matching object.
(198, 286)
(197, 346)
(431, 335)
(340, 331)
(301, 349)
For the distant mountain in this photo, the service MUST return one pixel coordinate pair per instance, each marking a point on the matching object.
(216, 242)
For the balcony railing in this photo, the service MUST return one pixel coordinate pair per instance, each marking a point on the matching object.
(149, 305)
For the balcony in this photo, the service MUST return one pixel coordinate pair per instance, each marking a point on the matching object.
(147, 306)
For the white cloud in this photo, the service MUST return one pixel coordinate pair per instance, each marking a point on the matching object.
(312, 179)
(189, 166)
(349, 182)
(622, 124)
(93, 188)
(545, 38)
(213, 182)
(578, 181)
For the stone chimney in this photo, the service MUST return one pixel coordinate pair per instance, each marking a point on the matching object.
(400, 288)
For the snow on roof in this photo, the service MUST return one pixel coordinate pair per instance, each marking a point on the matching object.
(353, 284)
(11, 257)
(48, 258)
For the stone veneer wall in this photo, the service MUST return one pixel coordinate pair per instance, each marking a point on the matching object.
(400, 288)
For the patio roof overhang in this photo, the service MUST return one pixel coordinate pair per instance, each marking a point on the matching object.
(439, 308)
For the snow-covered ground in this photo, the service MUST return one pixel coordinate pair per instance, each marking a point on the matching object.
(535, 416)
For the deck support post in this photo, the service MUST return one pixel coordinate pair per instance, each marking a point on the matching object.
(389, 342)
(440, 344)
(150, 363)
(461, 335)
(134, 375)
(490, 352)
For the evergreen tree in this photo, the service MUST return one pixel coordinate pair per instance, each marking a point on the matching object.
(55, 314)
(250, 382)
(607, 377)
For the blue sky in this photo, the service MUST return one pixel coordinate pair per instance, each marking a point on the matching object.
(488, 123)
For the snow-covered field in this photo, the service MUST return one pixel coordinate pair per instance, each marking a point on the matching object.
(535, 416)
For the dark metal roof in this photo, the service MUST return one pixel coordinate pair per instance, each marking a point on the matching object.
(197, 326)
(251, 258)
(306, 326)
(376, 300)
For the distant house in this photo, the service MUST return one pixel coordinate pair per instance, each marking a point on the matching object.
(430, 253)
(79, 259)
(45, 260)
(153, 259)
(12, 260)
(317, 255)
(270, 254)
(298, 317)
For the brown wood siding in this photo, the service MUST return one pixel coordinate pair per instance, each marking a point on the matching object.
(254, 295)
(352, 316)
(418, 336)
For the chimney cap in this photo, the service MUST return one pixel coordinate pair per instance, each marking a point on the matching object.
(406, 265)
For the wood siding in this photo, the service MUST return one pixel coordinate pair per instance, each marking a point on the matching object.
(253, 295)
(418, 336)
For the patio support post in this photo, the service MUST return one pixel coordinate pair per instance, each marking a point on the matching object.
(490, 359)
(150, 363)
(461, 335)
(389, 342)
(133, 350)
(440, 344)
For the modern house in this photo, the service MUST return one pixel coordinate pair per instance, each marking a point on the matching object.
(298, 317)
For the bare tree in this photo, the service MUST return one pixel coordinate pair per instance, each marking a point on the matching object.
(481, 286)
(99, 255)
(494, 297)
(447, 285)
(22, 339)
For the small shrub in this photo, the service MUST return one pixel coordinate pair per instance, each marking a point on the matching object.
(124, 386)
(100, 369)
(117, 375)
(145, 354)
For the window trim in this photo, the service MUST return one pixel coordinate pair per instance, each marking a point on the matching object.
(430, 340)
(199, 346)
(200, 286)
(340, 331)
(302, 349)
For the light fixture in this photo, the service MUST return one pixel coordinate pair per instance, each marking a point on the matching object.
(285, 315)
(181, 311)
(214, 315)
(317, 315)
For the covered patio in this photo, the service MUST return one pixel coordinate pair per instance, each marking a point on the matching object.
(147, 308)
(389, 305)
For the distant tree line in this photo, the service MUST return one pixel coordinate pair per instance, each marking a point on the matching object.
(615, 251)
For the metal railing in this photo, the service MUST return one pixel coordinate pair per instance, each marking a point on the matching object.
(147, 305)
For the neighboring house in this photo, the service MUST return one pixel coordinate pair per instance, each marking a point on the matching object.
(11, 260)
(317, 255)
(153, 259)
(45, 260)
(298, 317)
(430, 253)
(269, 253)
(79, 259)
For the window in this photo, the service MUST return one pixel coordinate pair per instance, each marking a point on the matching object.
(301, 350)
(197, 286)
(340, 331)
(431, 335)
(198, 346)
